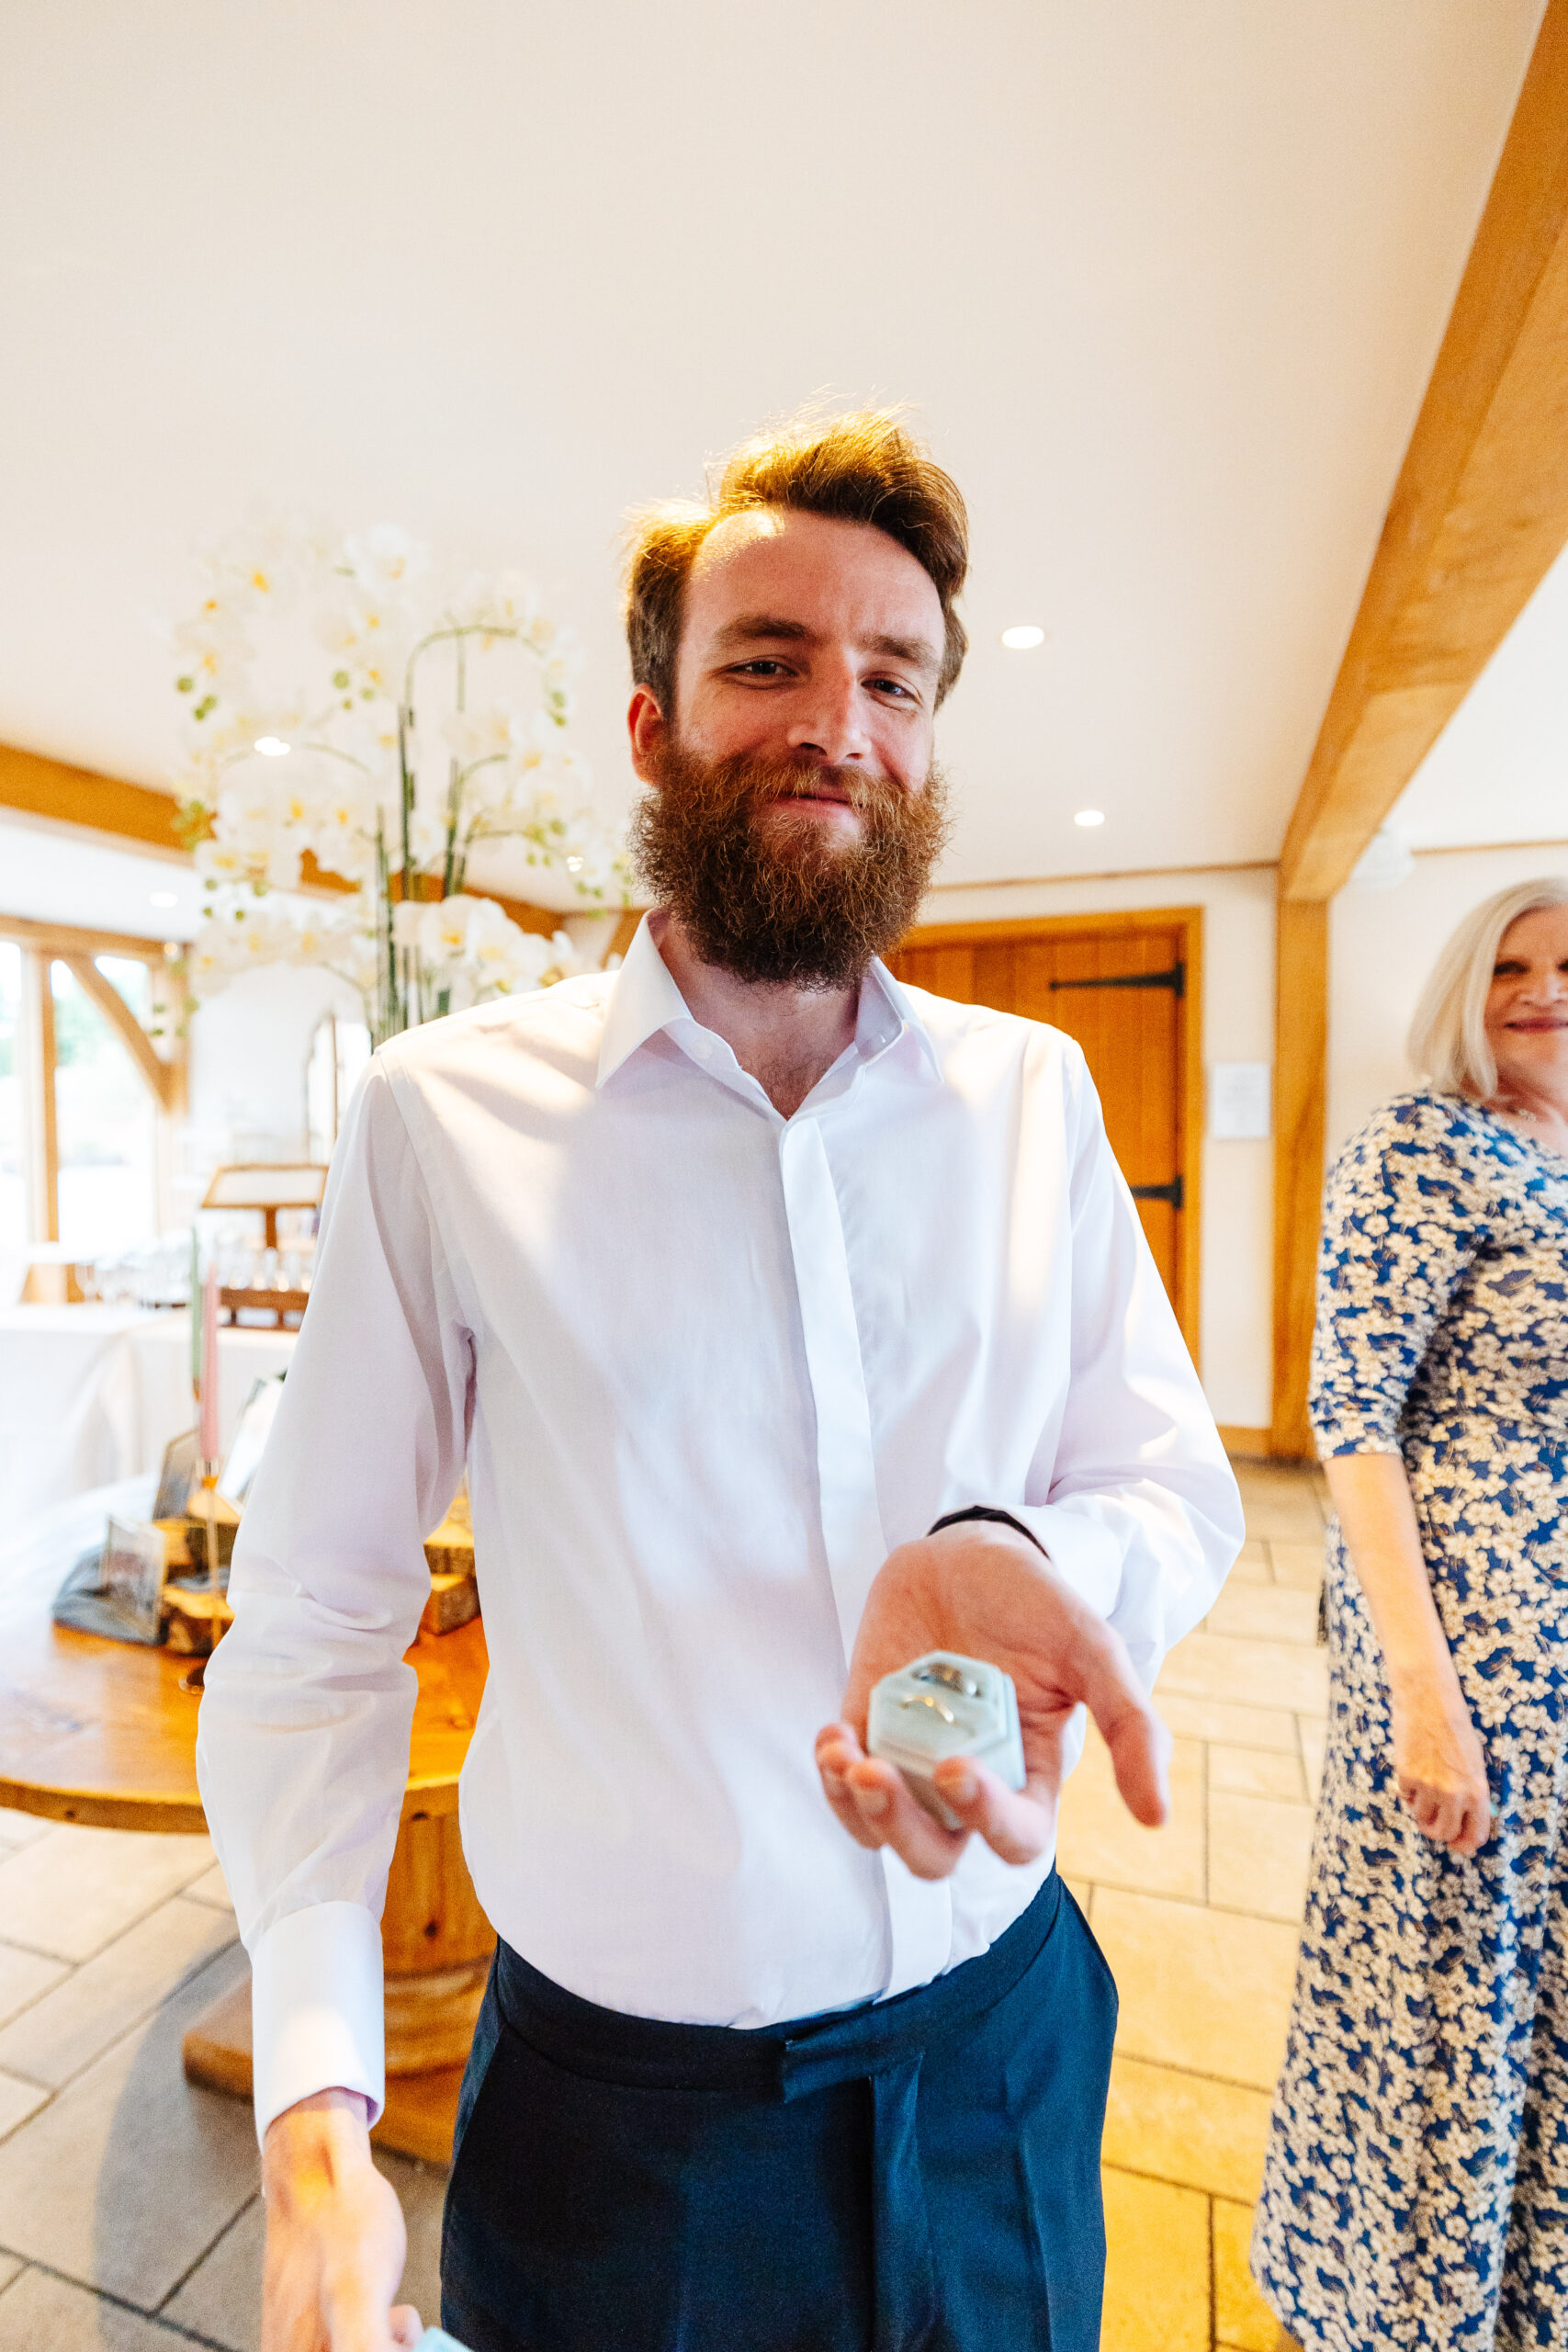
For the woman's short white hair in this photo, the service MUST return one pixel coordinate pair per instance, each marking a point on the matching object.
(1447, 1037)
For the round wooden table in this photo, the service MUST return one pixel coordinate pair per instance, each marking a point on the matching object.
(100, 1732)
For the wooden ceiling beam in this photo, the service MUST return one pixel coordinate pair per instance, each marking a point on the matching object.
(1480, 510)
(103, 804)
(65, 940)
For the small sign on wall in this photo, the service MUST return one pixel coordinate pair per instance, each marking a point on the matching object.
(1240, 1101)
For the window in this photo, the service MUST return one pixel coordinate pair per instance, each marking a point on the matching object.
(12, 1143)
(339, 1051)
(86, 1093)
(106, 1121)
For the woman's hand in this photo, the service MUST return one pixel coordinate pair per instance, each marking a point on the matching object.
(1440, 1762)
(1438, 1756)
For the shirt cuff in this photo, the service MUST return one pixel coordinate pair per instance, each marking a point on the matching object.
(316, 2003)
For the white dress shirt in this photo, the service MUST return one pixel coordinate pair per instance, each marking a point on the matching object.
(707, 1366)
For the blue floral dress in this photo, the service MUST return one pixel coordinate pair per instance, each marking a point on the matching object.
(1415, 2191)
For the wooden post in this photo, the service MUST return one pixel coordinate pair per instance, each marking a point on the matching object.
(40, 1130)
(1300, 1075)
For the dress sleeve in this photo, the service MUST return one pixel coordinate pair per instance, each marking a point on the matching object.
(302, 1753)
(1402, 1218)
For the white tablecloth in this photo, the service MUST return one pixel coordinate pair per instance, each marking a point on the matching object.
(89, 1395)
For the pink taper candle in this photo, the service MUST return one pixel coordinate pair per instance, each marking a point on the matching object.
(206, 1439)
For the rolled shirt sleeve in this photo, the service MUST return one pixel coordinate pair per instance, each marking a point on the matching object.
(302, 1750)
(1140, 1510)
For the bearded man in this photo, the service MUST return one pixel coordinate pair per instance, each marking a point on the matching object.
(792, 1324)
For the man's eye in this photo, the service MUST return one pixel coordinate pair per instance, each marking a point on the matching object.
(891, 686)
(762, 666)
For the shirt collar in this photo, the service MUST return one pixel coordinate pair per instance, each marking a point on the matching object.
(644, 1001)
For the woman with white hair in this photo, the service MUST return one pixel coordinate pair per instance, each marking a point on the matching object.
(1415, 2190)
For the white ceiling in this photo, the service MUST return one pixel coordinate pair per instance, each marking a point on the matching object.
(1164, 279)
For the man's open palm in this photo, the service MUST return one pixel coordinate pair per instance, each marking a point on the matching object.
(986, 1592)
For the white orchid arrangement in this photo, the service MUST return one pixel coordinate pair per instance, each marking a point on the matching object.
(384, 768)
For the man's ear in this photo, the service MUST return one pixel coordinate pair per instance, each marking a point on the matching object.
(645, 724)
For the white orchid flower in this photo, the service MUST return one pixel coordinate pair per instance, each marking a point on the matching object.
(221, 861)
(427, 840)
(500, 733)
(387, 560)
(283, 858)
(360, 607)
(444, 932)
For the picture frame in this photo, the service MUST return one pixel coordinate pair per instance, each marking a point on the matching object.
(245, 1455)
(248, 1185)
(177, 1479)
(132, 1576)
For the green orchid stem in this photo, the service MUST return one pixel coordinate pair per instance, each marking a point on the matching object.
(455, 632)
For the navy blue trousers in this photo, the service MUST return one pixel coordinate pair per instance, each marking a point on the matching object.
(919, 2174)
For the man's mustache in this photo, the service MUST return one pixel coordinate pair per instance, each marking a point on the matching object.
(850, 786)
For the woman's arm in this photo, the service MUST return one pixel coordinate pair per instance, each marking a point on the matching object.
(1439, 1758)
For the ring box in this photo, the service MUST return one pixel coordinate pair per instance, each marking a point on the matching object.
(944, 1705)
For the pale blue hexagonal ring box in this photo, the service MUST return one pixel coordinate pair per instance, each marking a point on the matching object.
(944, 1705)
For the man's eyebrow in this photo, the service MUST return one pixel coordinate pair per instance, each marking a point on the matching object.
(918, 651)
(747, 629)
(752, 629)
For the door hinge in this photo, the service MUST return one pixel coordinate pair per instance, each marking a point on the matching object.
(1171, 1191)
(1174, 980)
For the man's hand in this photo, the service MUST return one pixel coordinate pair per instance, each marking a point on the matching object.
(336, 2242)
(986, 1591)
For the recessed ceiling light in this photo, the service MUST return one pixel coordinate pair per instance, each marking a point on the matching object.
(1090, 816)
(1020, 639)
(271, 747)
(163, 899)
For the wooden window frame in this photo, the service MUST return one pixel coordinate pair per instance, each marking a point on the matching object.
(165, 1077)
(1188, 923)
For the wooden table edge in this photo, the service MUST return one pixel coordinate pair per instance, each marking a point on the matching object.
(128, 1809)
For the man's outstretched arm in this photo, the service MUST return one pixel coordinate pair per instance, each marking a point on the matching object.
(303, 1747)
(1128, 1525)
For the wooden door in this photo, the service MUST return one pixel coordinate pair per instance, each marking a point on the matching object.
(1125, 987)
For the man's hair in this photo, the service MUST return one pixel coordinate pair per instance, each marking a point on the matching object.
(863, 467)
(1449, 1044)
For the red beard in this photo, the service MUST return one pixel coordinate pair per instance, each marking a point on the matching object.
(782, 901)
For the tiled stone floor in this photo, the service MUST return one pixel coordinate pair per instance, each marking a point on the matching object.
(130, 2217)
(1198, 1923)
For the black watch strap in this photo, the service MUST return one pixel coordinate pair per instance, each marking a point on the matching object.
(985, 1510)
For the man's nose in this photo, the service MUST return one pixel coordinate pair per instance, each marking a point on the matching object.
(831, 723)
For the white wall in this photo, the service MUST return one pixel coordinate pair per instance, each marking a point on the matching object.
(248, 1049)
(1382, 943)
(249, 1045)
(1235, 1310)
